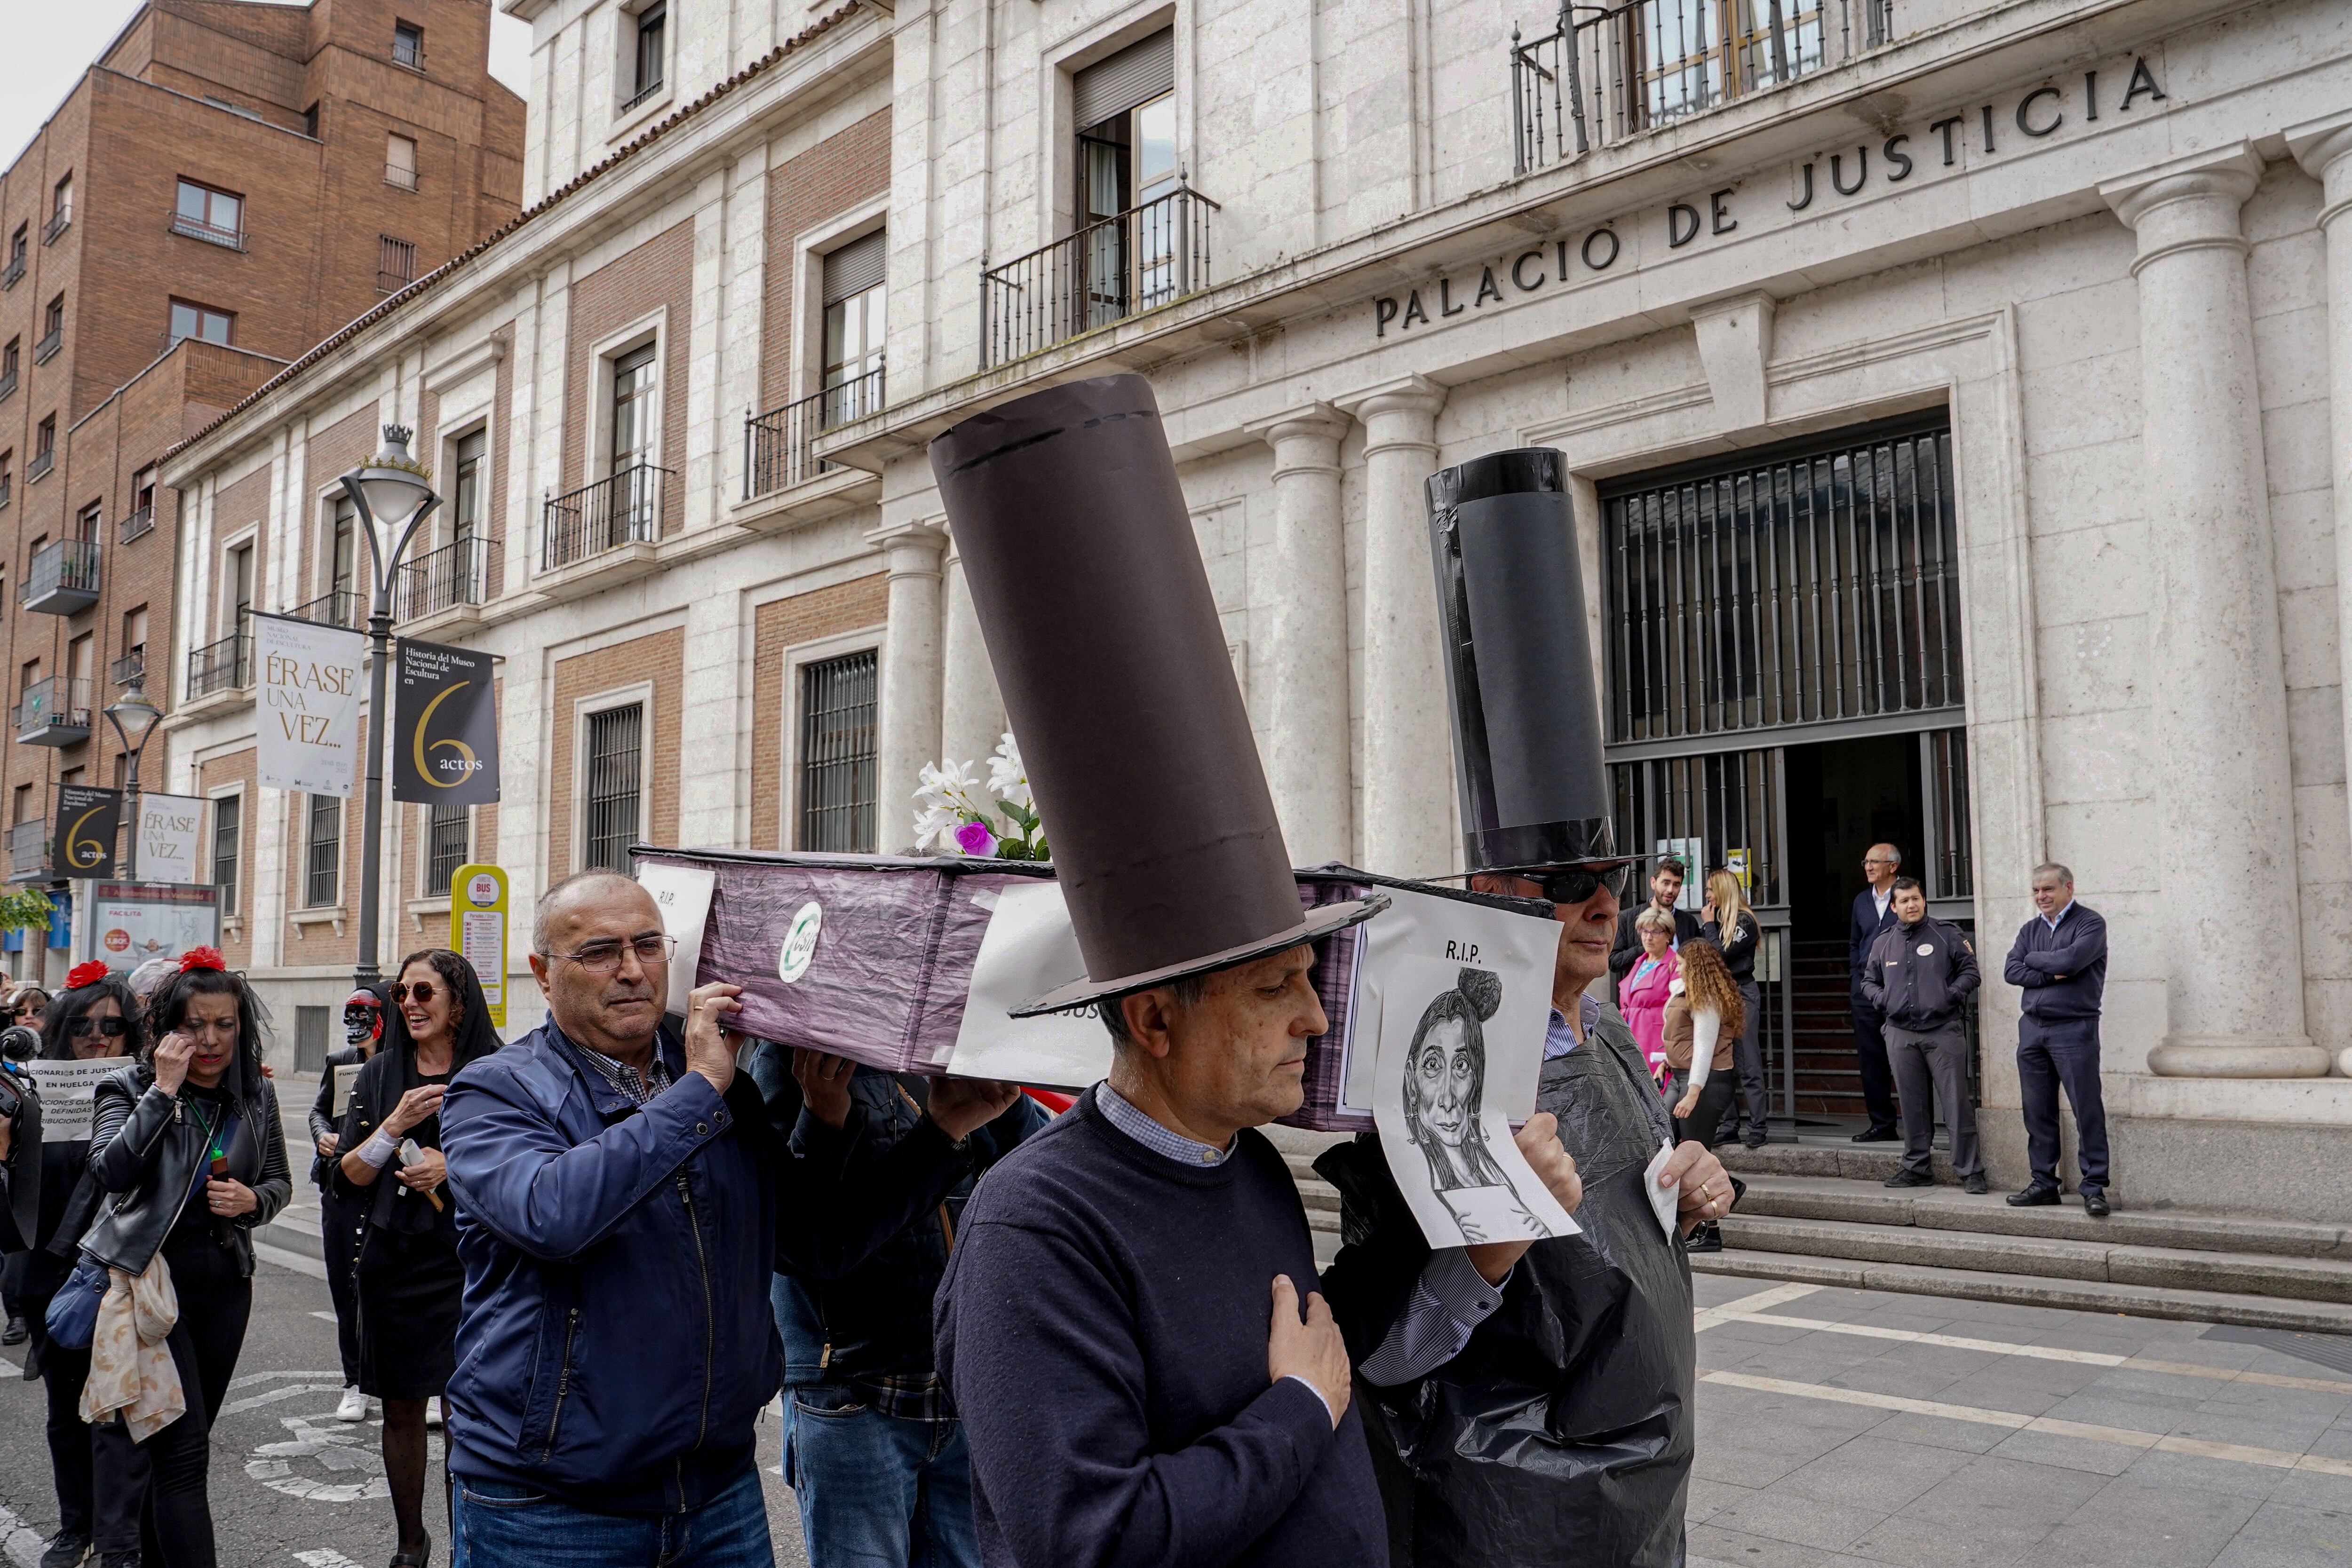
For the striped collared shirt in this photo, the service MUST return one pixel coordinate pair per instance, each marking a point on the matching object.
(639, 1087)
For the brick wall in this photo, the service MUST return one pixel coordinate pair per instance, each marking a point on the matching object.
(660, 659)
(659, 272)
(778, 627)
(841, 171)
(234, 768)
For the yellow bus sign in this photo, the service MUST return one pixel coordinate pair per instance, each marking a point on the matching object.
(478, 931)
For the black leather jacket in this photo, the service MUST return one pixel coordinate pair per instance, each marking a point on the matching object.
(144, 1149)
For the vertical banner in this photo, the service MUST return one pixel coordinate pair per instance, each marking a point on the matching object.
(83, 834)
(445, 726)
(305, 697)
(478, 930)
(171, 827)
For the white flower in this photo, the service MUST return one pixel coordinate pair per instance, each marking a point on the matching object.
(945, 801)
(1007, 779)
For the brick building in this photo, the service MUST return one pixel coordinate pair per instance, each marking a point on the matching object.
(242, 179)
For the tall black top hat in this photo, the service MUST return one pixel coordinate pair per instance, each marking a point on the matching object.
(1096, 612)
(1518, 665)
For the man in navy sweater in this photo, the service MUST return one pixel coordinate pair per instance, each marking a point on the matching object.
(2059, 960)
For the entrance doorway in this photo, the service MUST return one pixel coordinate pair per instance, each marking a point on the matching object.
(1844, 797)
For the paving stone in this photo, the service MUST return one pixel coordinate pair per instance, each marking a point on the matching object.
(2157, 1468)
(1804, 1521)
(1873, 1471)
(2283, 1535)
(2132, 1525)
(2086, 1454)
(1705, 1497)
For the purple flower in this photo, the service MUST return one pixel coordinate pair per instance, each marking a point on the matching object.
(976, 841)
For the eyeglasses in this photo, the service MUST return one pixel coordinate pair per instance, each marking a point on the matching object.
(110, 1028)
(1577, 884)
(605, 958)
(422, 992)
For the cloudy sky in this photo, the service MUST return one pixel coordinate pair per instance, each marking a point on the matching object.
(54, 42)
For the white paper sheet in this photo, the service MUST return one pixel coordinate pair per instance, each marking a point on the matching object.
(1519, 948)
(1028, 949)
(1663, 1200)
(682, 893)
(67, 1091)
(347, 1078)
(1436, 1102)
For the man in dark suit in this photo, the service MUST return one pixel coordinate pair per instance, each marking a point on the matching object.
(2059, 961)
(1665, 891)
(1873, 912)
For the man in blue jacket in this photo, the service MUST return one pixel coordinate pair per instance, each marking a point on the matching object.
(2059, 960)
(622, 1201)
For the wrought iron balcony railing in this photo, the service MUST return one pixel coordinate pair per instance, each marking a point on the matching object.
(622, 510)
(29, 851)
(1609, 72)
(8, 490)
(136, 522)
(210, 234)
(39, 468)
(401, 175)
(47, 344)
(336, 607)
(8, 386)
(131, 666)
(223, 666)
(779, 445)
(15, 274)
(59, 223)
(54, 712)
(456, 573)
(62, 579)
(1147, 257)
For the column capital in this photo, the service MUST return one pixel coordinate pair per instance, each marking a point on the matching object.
(2188, 203)
(2323, 148)
(1403, 394)
(914, 546)
(1294, 433)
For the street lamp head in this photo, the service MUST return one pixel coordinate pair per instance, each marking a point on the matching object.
(392, 487)
(131, 715)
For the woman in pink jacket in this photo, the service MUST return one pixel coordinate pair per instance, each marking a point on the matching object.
(1641, 995)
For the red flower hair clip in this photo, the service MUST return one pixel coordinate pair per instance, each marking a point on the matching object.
(88, 974)
(202, 958)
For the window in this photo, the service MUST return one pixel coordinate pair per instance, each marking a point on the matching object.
(228, 824)
(44, 450)
(400, 162)
(311, 122)
(239, 581)
(634, 375)
(450, 838)
(53, 330)
(141, 515)
(134, 643)
(203, 213)
(324, 853)
(81, 664)
(1126, 112)
(19, 246)
(60, 210)
(408, 45)
(21, 808)
(193, 321)
(645, 78)
(610, 780)
(838, 754)
(395, 264)
(855, 287)
(86, 522)
(8, 474)
(10, 357)
(466, 511)
(342, 557)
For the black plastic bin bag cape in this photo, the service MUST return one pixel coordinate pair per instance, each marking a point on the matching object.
(1562, 1433)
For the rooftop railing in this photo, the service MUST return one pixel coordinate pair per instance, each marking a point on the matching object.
(779, 445)
(622, 510)
(1145, 258)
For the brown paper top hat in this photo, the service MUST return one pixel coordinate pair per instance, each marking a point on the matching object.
(1095, 608)
(1519, 663)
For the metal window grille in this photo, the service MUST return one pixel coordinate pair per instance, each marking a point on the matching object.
(324, 853)
(310, 1035)
(1820, 585)
(395, 264)
(838, 753)
(1729, 801)
(1950, 858)
(228, 816)
(615, 741)
(451, 837)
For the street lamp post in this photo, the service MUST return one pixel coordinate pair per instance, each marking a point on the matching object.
(132, 716)
(392, 489)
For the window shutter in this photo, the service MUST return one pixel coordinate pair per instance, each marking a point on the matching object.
(855, 267)
(1137, 74)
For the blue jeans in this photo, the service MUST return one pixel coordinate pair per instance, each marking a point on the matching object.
(880, 1491)
(500, 1525)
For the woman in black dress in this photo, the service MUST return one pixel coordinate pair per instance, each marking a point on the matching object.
(409, 1276)
(341, 1218)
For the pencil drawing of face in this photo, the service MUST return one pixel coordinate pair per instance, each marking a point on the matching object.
(1444, 1079)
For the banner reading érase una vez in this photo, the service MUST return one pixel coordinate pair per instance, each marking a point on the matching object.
(307, 693)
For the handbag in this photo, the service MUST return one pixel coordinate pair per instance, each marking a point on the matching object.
(72, 1317)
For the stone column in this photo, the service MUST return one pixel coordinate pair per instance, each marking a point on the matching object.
(910, 719)
(971, 709)
(2234, 1000)
(1408, 748)
(1306, 709)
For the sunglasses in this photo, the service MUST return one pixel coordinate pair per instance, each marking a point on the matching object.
(1576, 883)
(110, 1028)
(421, 992)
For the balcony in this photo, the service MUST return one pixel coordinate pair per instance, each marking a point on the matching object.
(29, 851)
(131, 666)
(408, 51)
(1147, 257)
(336, 607)
(1632, 68)
(779, 447)
(397, 174)
(50, 342)
(62, 579)
(455, 576)
(219, 668)
(15, 273)
(59, 223)
(210, 234)
(39, 468)
(610, 514)
(141, 521)
(54, 712)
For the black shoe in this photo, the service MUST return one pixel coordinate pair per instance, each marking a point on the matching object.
(1878, 1135)
(2095, 1203)
(419, 1558)
(1754, 1140)
(2034, 1196)
(1975, 1184)
(1909, 1179)
(16, 1332)
(68, 1548)
(1706, 1238)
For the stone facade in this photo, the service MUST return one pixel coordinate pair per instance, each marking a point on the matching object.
(2104, 239)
